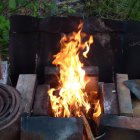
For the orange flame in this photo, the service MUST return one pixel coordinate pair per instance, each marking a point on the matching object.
(97, 110)
(72, 96)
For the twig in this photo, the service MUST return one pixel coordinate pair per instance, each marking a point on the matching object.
(87, 127)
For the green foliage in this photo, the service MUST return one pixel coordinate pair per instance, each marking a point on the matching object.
(4, 36)
(12, 4)
(113, 9)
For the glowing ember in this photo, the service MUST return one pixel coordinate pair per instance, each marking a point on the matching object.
(72, 97)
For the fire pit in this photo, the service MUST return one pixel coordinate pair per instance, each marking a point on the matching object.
(74, 94)
(70, 100)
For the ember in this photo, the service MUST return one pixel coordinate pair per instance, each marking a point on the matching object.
(72, 96)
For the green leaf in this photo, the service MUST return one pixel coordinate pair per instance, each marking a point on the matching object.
(12, 4)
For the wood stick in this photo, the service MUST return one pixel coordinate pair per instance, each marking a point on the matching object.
(87, 128)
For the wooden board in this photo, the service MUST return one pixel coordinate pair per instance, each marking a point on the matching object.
(26, 85)
(110, 101)
(124, 97)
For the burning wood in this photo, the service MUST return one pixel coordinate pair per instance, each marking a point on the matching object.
(87, 128)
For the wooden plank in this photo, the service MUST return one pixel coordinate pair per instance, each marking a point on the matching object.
(124, 97)
(90, 70)
(26, 85)
(41, 102)
(110, 101)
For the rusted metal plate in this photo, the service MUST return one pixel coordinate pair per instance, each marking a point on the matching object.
(41, 101)
(124, 97)
(26, 85)
(120, 127)
(110, 101)
(49, 128)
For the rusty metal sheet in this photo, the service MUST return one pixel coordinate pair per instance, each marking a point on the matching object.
(50, 128)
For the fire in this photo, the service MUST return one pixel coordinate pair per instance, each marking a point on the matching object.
(72, 96)
(97, 110)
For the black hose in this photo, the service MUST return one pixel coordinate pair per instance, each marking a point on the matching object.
(10, 106)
